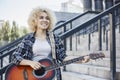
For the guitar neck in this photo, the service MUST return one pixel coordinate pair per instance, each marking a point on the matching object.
(92, 56)
(55, 66)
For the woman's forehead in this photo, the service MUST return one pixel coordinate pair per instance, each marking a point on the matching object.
(43, 13)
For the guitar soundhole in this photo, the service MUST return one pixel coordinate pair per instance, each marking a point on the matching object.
(39, 73)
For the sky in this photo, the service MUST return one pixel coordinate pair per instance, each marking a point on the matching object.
(18, 10)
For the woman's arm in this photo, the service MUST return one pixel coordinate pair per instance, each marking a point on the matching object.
(34, 64)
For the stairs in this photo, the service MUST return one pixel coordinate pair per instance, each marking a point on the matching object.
(93, 70)
(78, 76)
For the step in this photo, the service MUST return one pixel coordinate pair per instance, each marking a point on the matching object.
(102, 72)
(104, 62)
(77, 76)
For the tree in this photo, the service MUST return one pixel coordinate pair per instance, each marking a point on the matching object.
(14, 31)
(5, 32)
(8, 33)
(23, 30)
(0, 34)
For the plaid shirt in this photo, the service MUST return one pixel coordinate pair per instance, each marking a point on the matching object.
(24, 50)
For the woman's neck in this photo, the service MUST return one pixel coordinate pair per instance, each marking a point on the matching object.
(41, 34)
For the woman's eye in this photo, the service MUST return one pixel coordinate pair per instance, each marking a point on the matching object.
(47, 18)
(41, 17)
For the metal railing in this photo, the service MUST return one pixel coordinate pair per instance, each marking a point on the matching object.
(111, 12)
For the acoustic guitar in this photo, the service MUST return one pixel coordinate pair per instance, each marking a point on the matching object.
(47, 72)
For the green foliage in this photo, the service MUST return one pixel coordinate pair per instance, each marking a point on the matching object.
(23, 30)
(14, 31)
(0, 34)
(5, 32)
(10, 33)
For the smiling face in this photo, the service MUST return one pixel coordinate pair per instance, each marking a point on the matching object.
(43, 21)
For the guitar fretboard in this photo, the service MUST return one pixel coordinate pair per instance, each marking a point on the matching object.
(55, 66)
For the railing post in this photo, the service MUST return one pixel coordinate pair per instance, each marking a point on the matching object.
(119, 23)
(119, 28)
(108, 4)
(0, 77)
(65, 44)
(76, 40)
(100, 34)
(87, 5)
(71, 38)
(0, 67)
(1, 62)
(104, 33)
(116, 1)
(106, 39)
(98, 5)
(89, 41)
(112, 46)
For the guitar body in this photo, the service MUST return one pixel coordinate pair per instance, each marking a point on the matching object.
(27, 73)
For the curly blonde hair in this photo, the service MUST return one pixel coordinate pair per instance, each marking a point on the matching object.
(35, 13)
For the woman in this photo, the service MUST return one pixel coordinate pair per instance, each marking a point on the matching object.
(37, 45)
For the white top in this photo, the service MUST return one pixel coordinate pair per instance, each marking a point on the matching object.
(41, 49)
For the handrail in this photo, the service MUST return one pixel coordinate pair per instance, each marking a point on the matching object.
(70, 20)
(111, 13)
(85, 24)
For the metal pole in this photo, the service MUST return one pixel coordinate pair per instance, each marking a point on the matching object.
(119, 23)
(104, 34)
(87, 5)
(112, 46)
(71, 38)
(89, 41)
(108, 4)
(98, 5)
(106, 39)
(100, 34)
(65, 44)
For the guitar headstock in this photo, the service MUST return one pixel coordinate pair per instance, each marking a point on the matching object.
(95, 56)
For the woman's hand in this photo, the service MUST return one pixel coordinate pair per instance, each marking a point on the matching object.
(86, 59)
(35, 65)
